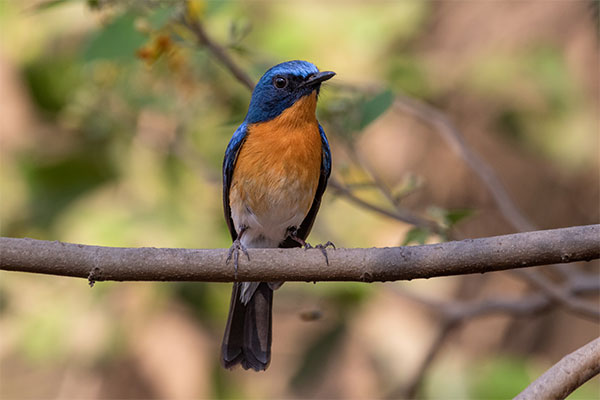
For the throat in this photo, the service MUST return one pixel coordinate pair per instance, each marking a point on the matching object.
(302, 112)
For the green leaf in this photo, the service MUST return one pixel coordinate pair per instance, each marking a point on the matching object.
(455, 216)
(117, 41)
(416, 235)
(52, 82)
(449, 218)
(374, 107)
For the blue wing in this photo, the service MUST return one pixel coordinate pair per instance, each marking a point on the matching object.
(326, 166)
(233, 149)
(308, 221)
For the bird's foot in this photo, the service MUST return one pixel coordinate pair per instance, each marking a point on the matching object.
(322, 247)
(293, 234)
(234, 252)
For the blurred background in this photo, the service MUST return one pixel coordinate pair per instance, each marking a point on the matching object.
(114, 121)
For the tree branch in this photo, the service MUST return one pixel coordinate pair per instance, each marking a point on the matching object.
(565, 376)
(219, 53)
(367, 265)
(560, 295)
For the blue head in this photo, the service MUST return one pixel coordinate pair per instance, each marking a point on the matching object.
(281, 86)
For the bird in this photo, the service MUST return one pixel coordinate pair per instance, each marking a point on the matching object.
(275, 170)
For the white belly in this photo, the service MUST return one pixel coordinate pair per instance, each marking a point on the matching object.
(268, 226)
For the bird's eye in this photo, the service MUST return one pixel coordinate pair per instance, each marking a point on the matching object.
(280, 82)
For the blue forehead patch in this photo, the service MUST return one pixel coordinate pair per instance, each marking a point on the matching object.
(297, 67)
(268, 102)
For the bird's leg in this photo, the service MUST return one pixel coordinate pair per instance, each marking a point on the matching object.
(293, 234)
(235, 248)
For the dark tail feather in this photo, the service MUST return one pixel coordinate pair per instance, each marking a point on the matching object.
(247, 339)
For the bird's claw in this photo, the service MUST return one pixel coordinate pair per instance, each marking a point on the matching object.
(234, 252)
(326, 245)
(293, 234)
(322, 247)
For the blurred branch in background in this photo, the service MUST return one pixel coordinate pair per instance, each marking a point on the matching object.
(272, 265)
(566, 375)
(562, 295)
(399, 214)
(217, 51)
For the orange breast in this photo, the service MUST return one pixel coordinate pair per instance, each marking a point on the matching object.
(278, 167)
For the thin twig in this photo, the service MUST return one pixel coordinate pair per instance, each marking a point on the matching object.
(219, 53)
(408, 216)
(397, 214)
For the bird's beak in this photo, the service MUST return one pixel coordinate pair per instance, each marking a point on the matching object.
(319, 78)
